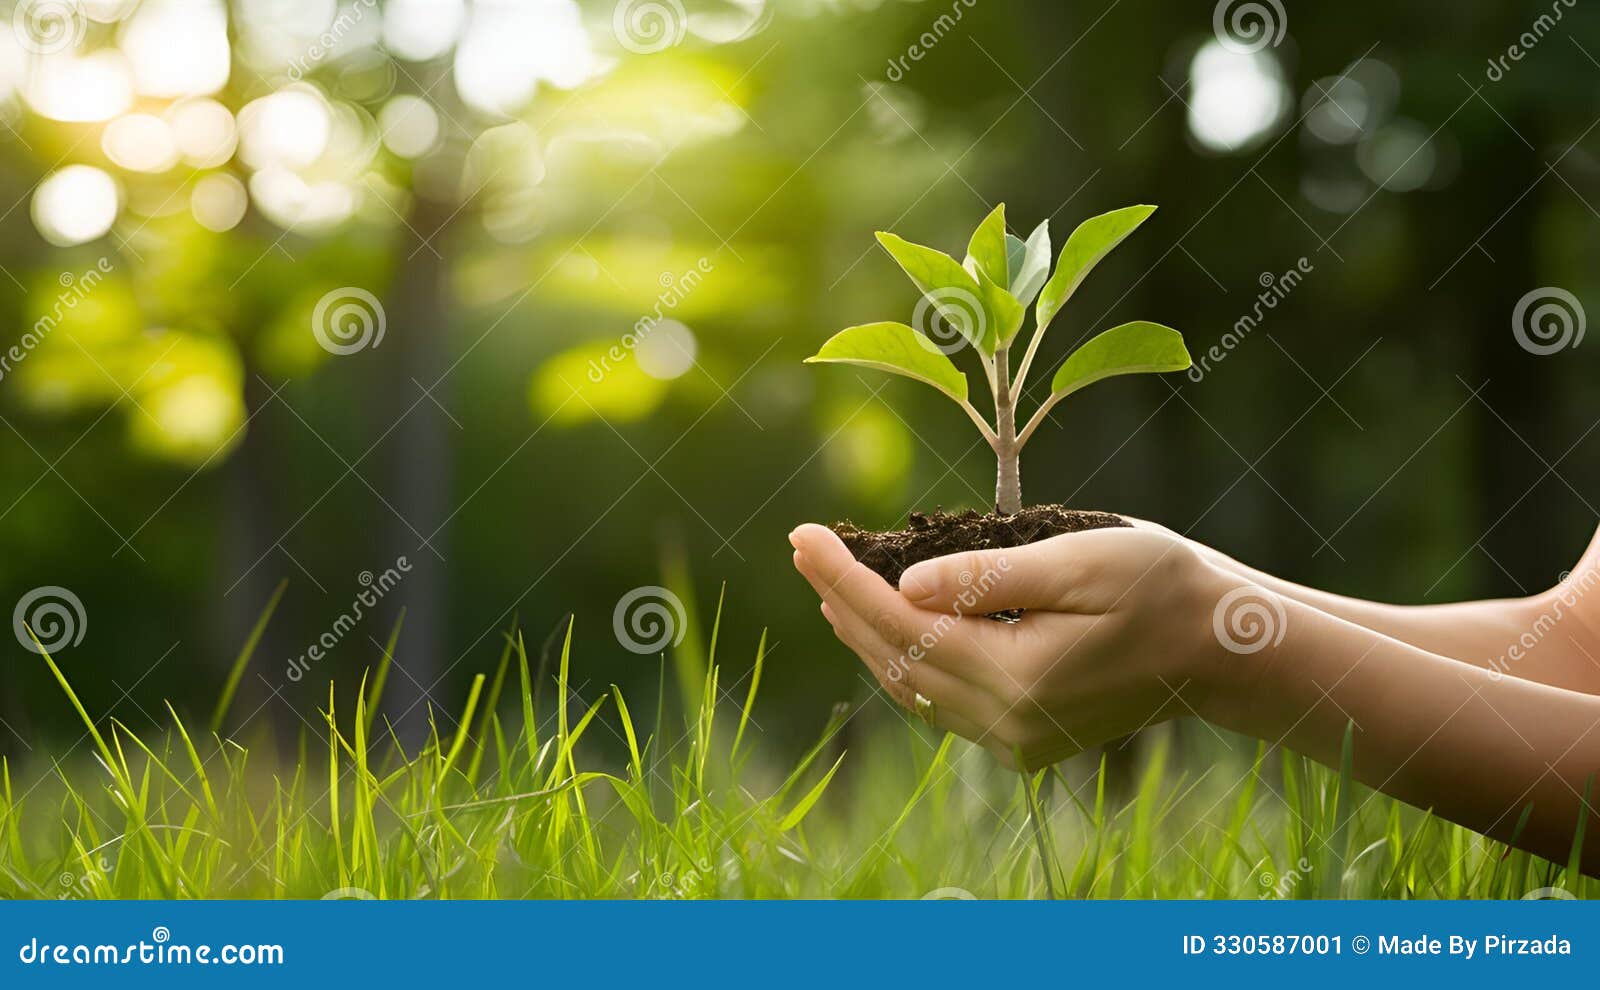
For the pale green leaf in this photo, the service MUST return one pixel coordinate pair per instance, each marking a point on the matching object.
(897, 348)
(1004, 312)
(802, 807)
(953, 292)
(1093, 240)
(1124, 350)
(1016, 254)
(987, 248)
(1029, 266)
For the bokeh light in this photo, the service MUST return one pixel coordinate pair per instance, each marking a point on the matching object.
(410, 126)
(76, 204)
(287, 129)
(140, 142)
(178, 47)
(203, 131)
(74, 88)
(1236, 97)
(419, 30)
(218, 202)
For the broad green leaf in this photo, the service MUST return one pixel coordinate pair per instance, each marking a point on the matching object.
(1016, 254)
(1093, 240)
(987, 248)
(1029, 263)
(898, 348)
(954, 292)
(1124, 350)
(1005, 313)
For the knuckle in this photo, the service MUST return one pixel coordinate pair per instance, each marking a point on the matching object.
(892, 627)
(1012, 694)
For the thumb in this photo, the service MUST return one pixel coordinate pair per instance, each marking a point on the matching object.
(1058, 574)
(1086, 573)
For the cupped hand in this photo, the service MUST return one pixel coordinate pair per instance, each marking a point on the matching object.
(1116, 634)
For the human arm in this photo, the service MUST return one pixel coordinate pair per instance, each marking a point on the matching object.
(1122, 629)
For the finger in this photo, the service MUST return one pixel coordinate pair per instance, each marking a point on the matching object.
(957, 706)
(1076, 572)
(838, 577)
(952, 645)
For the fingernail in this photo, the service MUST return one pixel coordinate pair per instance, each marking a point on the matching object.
(916, 584)
(794, 540)
(827, 613)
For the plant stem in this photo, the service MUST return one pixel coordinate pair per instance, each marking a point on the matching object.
(1008, 481)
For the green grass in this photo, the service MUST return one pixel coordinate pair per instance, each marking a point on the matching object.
(506, 805)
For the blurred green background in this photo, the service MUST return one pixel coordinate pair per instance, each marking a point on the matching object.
(294, 289)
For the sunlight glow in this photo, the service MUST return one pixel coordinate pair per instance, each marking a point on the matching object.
(410, 126)
(289, 201)
(75, 205)
(289, 128)
(667, 350)
(203, 131)
(140, 142)
(1237, 97)
(178, 47)
(507, 50)
(218, 202)
(419, 30)
(69, 88)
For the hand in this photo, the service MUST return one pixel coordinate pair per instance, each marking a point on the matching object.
(1116, 634)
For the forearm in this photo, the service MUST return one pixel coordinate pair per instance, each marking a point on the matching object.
(1490, 634)
(1476, 748)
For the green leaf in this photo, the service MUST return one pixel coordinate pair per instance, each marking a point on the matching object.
(1093, 240)
(898, 348)
(1004, 312)
(1016, 255)
(953, 291)
(987, 248)
(1031, 265)
(1125, 350)
(802, 807)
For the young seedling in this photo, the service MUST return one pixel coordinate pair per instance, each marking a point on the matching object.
(981, 303)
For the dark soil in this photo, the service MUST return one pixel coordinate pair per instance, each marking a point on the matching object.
(942, 533)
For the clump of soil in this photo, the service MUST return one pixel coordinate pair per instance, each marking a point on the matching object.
(940, 533)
